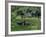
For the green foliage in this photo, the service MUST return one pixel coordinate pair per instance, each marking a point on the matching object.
(25, 13)
(19, 10)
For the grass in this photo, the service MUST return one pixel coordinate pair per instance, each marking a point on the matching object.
(36, 24)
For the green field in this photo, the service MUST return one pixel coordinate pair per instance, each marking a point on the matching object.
(34, 26)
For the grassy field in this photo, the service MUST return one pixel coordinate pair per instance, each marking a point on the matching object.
(36, 24)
